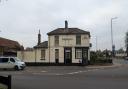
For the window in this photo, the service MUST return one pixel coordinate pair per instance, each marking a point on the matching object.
(0, 60)
(12, 60)
(56, 40)
(78, 54)
(78, 39)
(4, 60)
(56, 53)
(42, 54)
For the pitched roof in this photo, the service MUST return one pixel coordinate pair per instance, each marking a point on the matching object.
(9, 43)
(68, 31)
(42, 45)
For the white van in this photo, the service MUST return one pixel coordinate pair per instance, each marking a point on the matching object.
(11, 62)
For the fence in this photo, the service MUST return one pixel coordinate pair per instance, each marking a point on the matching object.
(6, 81)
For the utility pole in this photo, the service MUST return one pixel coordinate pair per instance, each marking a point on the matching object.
(113, 46)
(96, 43)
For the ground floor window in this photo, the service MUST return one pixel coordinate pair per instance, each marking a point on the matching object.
(42, 54)
(78, 53)
(81, 53)
(56, 53)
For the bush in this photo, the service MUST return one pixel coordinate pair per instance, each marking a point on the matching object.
(98, 59)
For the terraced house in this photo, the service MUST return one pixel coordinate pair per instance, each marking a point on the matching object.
(64, 45)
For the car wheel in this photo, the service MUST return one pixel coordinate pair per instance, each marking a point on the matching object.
(16, 68)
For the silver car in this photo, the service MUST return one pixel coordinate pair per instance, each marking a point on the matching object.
(11, 62)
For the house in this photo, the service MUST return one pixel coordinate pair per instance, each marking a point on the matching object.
(9, 47)
(64, 45)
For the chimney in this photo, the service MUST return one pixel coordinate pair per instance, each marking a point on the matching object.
(66, 24)
(39, 38)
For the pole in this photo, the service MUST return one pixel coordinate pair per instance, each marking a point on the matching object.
(113, 46)
(96, 43)
(111, 33)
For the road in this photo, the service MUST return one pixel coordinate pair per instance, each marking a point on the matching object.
(71, 77)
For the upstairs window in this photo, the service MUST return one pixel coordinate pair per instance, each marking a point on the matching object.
(78, 39)
(56, 40)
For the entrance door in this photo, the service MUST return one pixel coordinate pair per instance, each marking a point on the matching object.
(85, 56)
(67, 55)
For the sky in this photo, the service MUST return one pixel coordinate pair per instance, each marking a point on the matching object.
(20, 20)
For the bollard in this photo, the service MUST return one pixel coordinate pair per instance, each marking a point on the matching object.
(9, 81)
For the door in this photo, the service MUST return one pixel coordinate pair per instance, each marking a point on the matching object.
(84, 56)
(67, 55)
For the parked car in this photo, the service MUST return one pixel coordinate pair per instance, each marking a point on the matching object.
(11, 62)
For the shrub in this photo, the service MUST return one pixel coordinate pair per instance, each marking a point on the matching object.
(98, 58)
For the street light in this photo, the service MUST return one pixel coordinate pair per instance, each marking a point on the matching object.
(96, 44)
(113, 46)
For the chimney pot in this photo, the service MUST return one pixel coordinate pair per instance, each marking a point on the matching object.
(39, 38)
(66, 24)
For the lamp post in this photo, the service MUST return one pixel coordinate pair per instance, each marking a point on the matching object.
(96, 44)
(113, 46)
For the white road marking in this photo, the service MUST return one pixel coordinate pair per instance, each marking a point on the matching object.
(59, 74)
(43, 71)
(77, 72)
(36, 73)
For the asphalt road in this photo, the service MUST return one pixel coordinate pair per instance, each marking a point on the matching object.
(71, 77)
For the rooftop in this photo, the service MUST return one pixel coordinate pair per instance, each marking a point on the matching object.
(42, 45)
(9, 43)
(68, 31)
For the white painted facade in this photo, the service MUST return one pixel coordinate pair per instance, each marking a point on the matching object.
(67, 41)
(66, 50)
(64, 41)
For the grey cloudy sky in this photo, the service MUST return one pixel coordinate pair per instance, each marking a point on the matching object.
(20, 20)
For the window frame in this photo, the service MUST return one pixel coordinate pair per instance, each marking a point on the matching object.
(43, 53)
(56, 53)
(13, 60)
(77, 53)
(78, 39)
(56, 40)
(3, 61)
